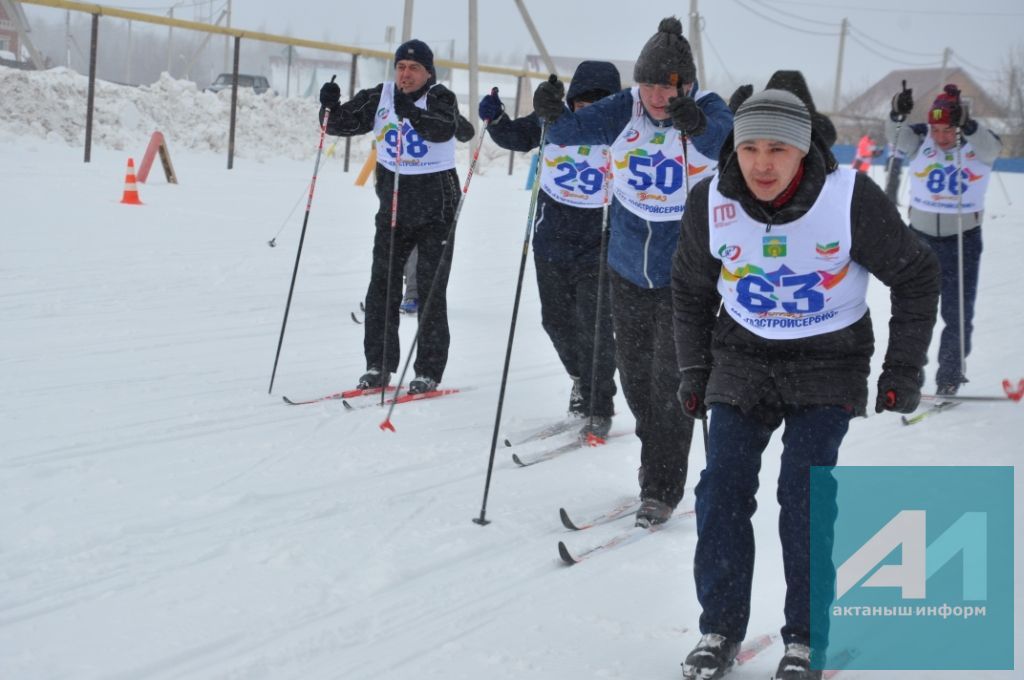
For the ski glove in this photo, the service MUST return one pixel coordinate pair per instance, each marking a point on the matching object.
(693, 387)
(491, 107)
(330, 95)
(902, 103)
(899, 389)
(405, 107)
(741, 95)
(548, 99)
(686, 115)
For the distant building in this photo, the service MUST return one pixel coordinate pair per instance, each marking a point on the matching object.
(9, 41)
(867, 113)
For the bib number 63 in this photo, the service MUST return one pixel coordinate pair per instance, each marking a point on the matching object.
(758, 295)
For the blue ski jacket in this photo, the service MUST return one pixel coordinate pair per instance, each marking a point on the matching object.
(639, 250)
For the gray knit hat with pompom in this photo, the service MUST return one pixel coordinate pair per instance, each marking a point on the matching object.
(666, 59)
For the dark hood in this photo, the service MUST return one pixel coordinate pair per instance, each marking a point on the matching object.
(593, 75)
(823, 132)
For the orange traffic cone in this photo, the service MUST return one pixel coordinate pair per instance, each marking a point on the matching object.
(131, 193)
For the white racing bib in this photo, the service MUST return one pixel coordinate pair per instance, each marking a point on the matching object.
(796, 280)
(574, 175)
(649, 177)
(934, 186)
(419, 156)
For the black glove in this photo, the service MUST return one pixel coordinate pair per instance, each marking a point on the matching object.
(491, 107)
(899, 389)
(693, 387)
(330, 95)
(405, 107)
(464, 130)
(741, 95)
(686, 115)
(548, 99)
(958, 114)
(902, 103)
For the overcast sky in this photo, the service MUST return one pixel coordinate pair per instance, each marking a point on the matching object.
(743, 40)
(739, 45)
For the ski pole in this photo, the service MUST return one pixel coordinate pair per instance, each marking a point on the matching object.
(302, 237)
(593, 439)
(960, 252)
(891, 165)
(442, 264)
(385, 374)
(482, 519)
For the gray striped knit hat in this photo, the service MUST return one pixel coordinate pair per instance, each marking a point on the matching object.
(773, 114)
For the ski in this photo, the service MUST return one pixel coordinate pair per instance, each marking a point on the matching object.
(550, 430)
(355, 318)
(938, 408)
(630, 535)
(346, 394)
(577, 442)
(752, 648)
(624, 509)
(403, 399)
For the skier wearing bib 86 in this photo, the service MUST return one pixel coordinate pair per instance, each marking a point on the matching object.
(772, 327)
(646, 128)
(940, 207)
(428, 195)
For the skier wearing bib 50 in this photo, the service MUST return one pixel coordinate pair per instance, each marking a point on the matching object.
(646, 127)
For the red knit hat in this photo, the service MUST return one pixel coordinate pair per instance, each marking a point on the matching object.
(941, 112)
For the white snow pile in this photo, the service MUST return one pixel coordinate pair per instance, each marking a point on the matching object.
(52, 105)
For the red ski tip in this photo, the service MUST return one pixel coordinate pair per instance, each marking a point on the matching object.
(594, 440)
(1015, 395)
(386, 425)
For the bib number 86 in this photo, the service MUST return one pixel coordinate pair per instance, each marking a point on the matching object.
(941, 181)
(757, 295)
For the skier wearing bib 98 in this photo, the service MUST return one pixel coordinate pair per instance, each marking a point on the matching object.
(567, 243)
(428, 195)
(646, 128)
(769, 289)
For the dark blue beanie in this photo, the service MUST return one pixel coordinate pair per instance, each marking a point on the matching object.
(418, 51)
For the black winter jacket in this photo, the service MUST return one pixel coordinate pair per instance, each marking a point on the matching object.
(439, 122)
(826, 369)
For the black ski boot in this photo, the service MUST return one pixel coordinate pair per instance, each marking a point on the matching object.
(373, 378)
(796, 664)
(712, 658)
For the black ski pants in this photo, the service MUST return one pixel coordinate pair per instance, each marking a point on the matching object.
(646, 355)
(426, 212)
(568, 310)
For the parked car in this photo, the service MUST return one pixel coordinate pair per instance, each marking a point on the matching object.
(259, 84)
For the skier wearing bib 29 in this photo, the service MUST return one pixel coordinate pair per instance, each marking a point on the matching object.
(769, 289)
(567, 242)
(420, 119)
(646, 128)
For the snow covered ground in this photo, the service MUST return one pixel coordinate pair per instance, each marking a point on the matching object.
(162, 516)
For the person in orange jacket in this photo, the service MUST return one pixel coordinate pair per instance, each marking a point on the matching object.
(866, 150)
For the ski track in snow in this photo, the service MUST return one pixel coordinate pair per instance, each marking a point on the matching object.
(164, 517)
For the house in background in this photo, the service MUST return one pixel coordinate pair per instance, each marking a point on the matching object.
(14, 40)
(867, 113)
